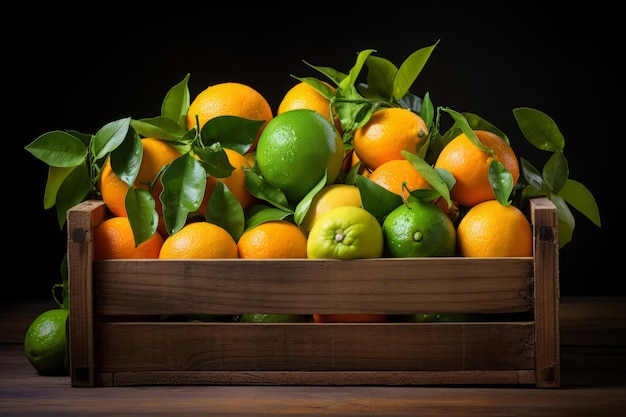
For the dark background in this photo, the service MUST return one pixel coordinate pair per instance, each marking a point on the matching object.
(82, 72)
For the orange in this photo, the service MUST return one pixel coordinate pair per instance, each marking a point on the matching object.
(303, 96)
(470, 166)
(273, 239)
(490, 229)
(295, 149)
(392, 174)
(387, 133)
(350, 318)
(156, 154)
(113, 239)
(199, 240)
(229, 99)
(236, 181)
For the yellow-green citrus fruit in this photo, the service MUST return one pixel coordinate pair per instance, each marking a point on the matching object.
(418, 229)
(345, 232)
(295, 149)
(46, 344)
(331, 196)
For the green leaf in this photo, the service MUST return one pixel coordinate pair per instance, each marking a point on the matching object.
(353, 75)
(225, 210)
(501, 181)
(539, 129)
(126, 158)
(376, 199)
(160, 127)
(321, 87)
(56, 176)
(303, 206)
(72, 191)
(263, 190)
(555, 172)
(335, 76)
(109, 137)
(579, 197)
(176, 103)
(142, 214)
(58, 149)
(430, 175)
(232, 132)
(184, 184)
(410, 69)
(478, 123)
(565, 219)
(214, 160)
(259, 213)
(461, 122)
(380, 76)
(531, 174)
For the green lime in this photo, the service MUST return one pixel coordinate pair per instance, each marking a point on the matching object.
(294, 150)
(431, 317)
(418, 229)
(273, 318)
(345, 232)
(46, 344)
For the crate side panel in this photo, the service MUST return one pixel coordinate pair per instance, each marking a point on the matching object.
(391, 286)
(129, 347)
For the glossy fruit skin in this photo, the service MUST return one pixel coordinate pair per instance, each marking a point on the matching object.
(392, 174)
(490, 229)
(295, 149)
(277, 239)
(114, 239)
(418, 229)
(470, 166)
(199, 240)
(46, 342)
(331, 196)
(387, 133)
(345, 232)
(229, 99)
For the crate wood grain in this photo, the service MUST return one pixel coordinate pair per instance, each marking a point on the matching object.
(118, 336)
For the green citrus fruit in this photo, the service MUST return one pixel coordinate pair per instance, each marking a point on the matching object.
(331, 196)
(46, 344)
(431, 317)
(418, 229)
(295, 149)
(345, 232)
(273, 318)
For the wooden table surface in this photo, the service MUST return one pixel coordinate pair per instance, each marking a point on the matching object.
(593, 382)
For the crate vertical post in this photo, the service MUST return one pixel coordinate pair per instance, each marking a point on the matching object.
(81, 222)
(546, 292)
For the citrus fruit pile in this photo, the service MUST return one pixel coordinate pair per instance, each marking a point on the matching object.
(350, 166)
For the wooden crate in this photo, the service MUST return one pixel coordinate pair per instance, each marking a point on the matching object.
(118, 339)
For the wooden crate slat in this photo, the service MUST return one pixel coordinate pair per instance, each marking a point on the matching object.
(311, 347)
(389, 378)
(307, 286)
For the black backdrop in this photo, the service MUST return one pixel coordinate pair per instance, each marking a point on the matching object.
(82, 72)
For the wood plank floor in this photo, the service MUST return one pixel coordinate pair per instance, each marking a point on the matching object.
(593, 372)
